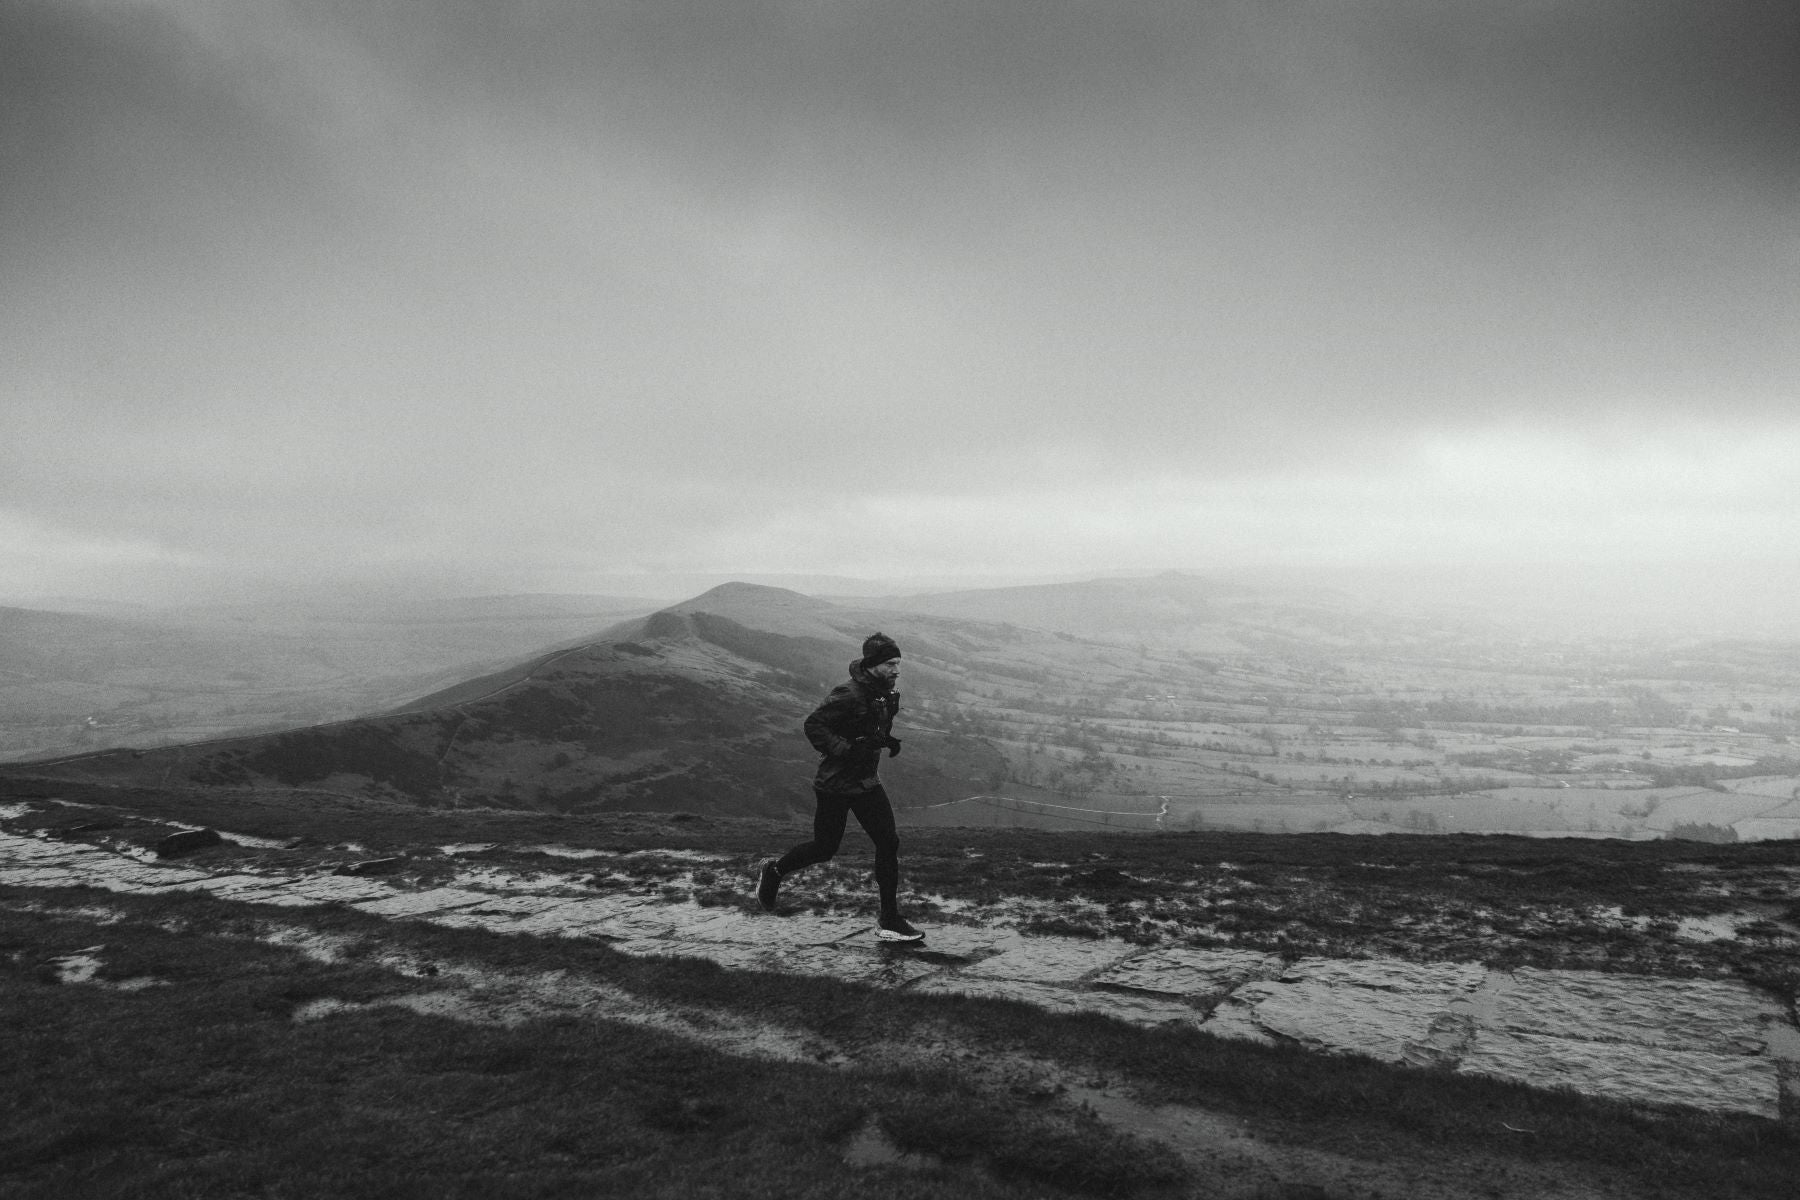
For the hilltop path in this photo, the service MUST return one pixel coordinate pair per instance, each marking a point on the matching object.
(1717, 1045)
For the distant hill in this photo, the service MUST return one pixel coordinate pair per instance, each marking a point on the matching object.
(78, 681)
(1179, 704)
(686, 709)
(777, 610)
(1161, 605)
(697, 706)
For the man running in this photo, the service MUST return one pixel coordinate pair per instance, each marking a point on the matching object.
(851, 729)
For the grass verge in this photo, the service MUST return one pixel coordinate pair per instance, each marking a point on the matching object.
(206, 1085)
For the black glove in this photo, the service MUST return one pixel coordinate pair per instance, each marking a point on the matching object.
(893, 747)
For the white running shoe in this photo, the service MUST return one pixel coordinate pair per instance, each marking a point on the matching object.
(895, 929)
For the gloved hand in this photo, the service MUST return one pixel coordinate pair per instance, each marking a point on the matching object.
(893, 747)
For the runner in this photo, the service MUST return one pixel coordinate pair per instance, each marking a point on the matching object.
(851, 729)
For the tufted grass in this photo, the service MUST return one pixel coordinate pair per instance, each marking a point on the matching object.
(206, 1087)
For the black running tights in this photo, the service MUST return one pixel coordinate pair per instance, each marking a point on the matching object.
(876, 815)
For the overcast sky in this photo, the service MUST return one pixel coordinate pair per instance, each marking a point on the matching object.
(484, 296)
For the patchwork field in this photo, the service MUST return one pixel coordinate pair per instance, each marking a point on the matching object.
(1378, 744)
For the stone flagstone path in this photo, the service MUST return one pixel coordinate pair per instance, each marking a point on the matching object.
(1710, 1044)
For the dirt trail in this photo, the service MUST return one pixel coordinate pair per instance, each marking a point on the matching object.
(1238, 991)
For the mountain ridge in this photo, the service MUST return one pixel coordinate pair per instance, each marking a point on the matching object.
(1322, 718)
(682, 709)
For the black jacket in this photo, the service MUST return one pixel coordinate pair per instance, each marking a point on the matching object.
(860, 708)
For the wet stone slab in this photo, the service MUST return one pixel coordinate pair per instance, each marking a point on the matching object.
(1389, 975)
(283, 892)
(1385, 1009)
(1718, 1016)
(1338, 1019)
(1202, 976)
(1235, 1015)
(284, 898)
(836, 962)
(244, 889)
(550, 916)
(419, 904)
(336, 889)
(229, 886)
(513, 908)
(766, 929)
(1736, 1083)
(563, 918)
(123, 875)
(607, 920)
(1139, 1010)
(948, 943)
(650, 921)
(15, 849)
(43, 876)
(1052, 959)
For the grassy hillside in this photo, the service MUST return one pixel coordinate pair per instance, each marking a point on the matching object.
(72, 682)
(1319, 717)
(701, 714)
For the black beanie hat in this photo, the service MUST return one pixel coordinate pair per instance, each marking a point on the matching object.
(878, 648)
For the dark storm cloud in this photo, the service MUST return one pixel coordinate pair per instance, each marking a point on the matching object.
(558, 277)
(1684, 84)
(122, 136)
(1269, 212)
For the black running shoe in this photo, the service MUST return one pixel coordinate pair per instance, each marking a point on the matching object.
(768, 885)
(895, 929)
